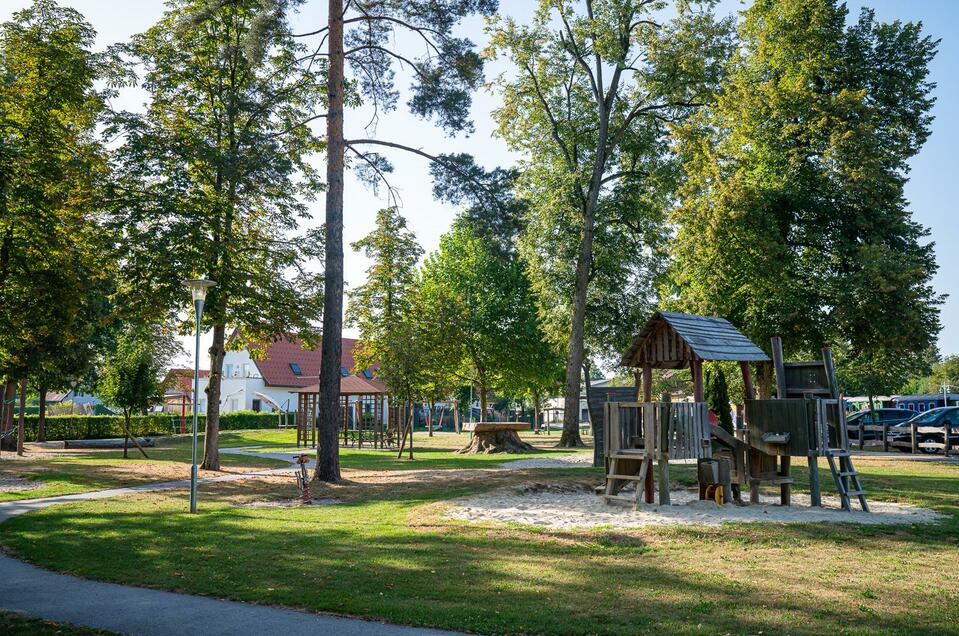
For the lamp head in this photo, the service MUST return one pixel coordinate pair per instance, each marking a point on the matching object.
(198, 287)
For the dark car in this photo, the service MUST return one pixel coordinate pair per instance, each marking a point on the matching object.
(877, 417)
(934, 417)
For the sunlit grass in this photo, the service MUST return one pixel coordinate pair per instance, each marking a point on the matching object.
(386, 552)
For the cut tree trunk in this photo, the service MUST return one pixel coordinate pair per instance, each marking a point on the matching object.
(327, 448)
(211, 436)
(496, 441)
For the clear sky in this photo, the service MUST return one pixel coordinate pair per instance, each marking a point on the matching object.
(932, 178)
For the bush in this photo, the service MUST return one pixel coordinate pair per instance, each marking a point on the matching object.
(60, 427)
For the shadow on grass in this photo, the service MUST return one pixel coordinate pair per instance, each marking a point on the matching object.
(382, 553)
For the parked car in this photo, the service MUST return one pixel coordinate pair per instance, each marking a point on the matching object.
(935, 417)
(879, 416)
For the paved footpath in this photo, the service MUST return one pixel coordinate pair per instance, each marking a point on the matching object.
(135, 610)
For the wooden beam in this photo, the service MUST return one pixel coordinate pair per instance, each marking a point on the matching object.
(647, 382)
(779, 362)
(697, 372)
(747, 379)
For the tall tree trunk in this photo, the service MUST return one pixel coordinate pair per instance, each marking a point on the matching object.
(587, 368)
(574, 362)
(456, 416)
(42, 415)
(126, 433)
(21, 420)
(6, 414)
(211, 437)
(327, 449)
(483, 402)
(429, 420)
(765, 380)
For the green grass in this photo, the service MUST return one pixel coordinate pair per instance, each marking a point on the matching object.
(98, 470)
(12, 624)
(386, 553)
(429, 453)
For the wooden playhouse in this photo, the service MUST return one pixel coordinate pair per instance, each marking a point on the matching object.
(806, 420)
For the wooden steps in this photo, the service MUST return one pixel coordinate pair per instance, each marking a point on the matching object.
(846, 477)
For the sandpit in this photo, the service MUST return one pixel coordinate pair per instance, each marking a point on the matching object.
(563, 461)
(559, 508)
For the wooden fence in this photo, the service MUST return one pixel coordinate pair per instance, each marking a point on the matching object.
(912, 444)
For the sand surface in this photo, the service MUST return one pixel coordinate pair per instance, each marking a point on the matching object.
(563, 461)
(554, 508)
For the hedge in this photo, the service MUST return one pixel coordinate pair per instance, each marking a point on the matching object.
(60, 427)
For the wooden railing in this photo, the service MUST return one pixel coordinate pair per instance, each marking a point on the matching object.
(669, 430)
(913, 444)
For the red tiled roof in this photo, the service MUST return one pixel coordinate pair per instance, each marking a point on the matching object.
(275, 365)
(352, 385)
(183, 378)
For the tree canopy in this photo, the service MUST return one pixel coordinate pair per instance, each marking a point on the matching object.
(214, 178)
(592, 90)
(792, 219)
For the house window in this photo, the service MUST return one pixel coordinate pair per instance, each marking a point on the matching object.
(367, 374)
(228, 370)
(344, 371)
(932, 405)
(295, 368)
(256, 406)
(922, 407)
(234, 405)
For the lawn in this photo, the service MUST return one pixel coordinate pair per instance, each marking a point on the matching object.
(63, 474)
(433, 453)
(386, 552)
(12, 624)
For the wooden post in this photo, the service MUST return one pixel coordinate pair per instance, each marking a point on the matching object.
(697, 369)
(647, 383)
(815, 492)
(785, 490)
(747, 380)
(885, 437)
(914, 437)
(862, 431)
(661, 415)
(779, 363)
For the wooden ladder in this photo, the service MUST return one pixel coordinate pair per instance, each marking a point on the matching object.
(622, 470)
(846, 478)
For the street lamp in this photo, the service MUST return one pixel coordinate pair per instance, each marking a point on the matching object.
(198, 288)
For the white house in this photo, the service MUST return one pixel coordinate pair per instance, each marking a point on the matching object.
(268, 384)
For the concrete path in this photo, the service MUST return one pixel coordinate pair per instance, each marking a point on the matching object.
(134, 610)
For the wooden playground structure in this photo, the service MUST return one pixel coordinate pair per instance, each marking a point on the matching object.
(807, 420)
(369, 417)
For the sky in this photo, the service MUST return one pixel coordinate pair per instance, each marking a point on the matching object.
(930, 191)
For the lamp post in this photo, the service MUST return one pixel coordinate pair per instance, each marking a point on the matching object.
(198, 288)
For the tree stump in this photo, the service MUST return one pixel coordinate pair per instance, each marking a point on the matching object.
(496, 437)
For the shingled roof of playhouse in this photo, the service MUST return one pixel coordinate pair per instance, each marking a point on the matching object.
(707, 338)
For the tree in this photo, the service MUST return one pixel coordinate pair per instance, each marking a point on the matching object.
(595, 86)
(481, 315)
(792, 219)
(214, 177)
(382, 308)
(717, 396)
(54, 254)
(445, 70)
(131, 377)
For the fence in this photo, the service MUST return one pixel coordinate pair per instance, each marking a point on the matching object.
(908, 438)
